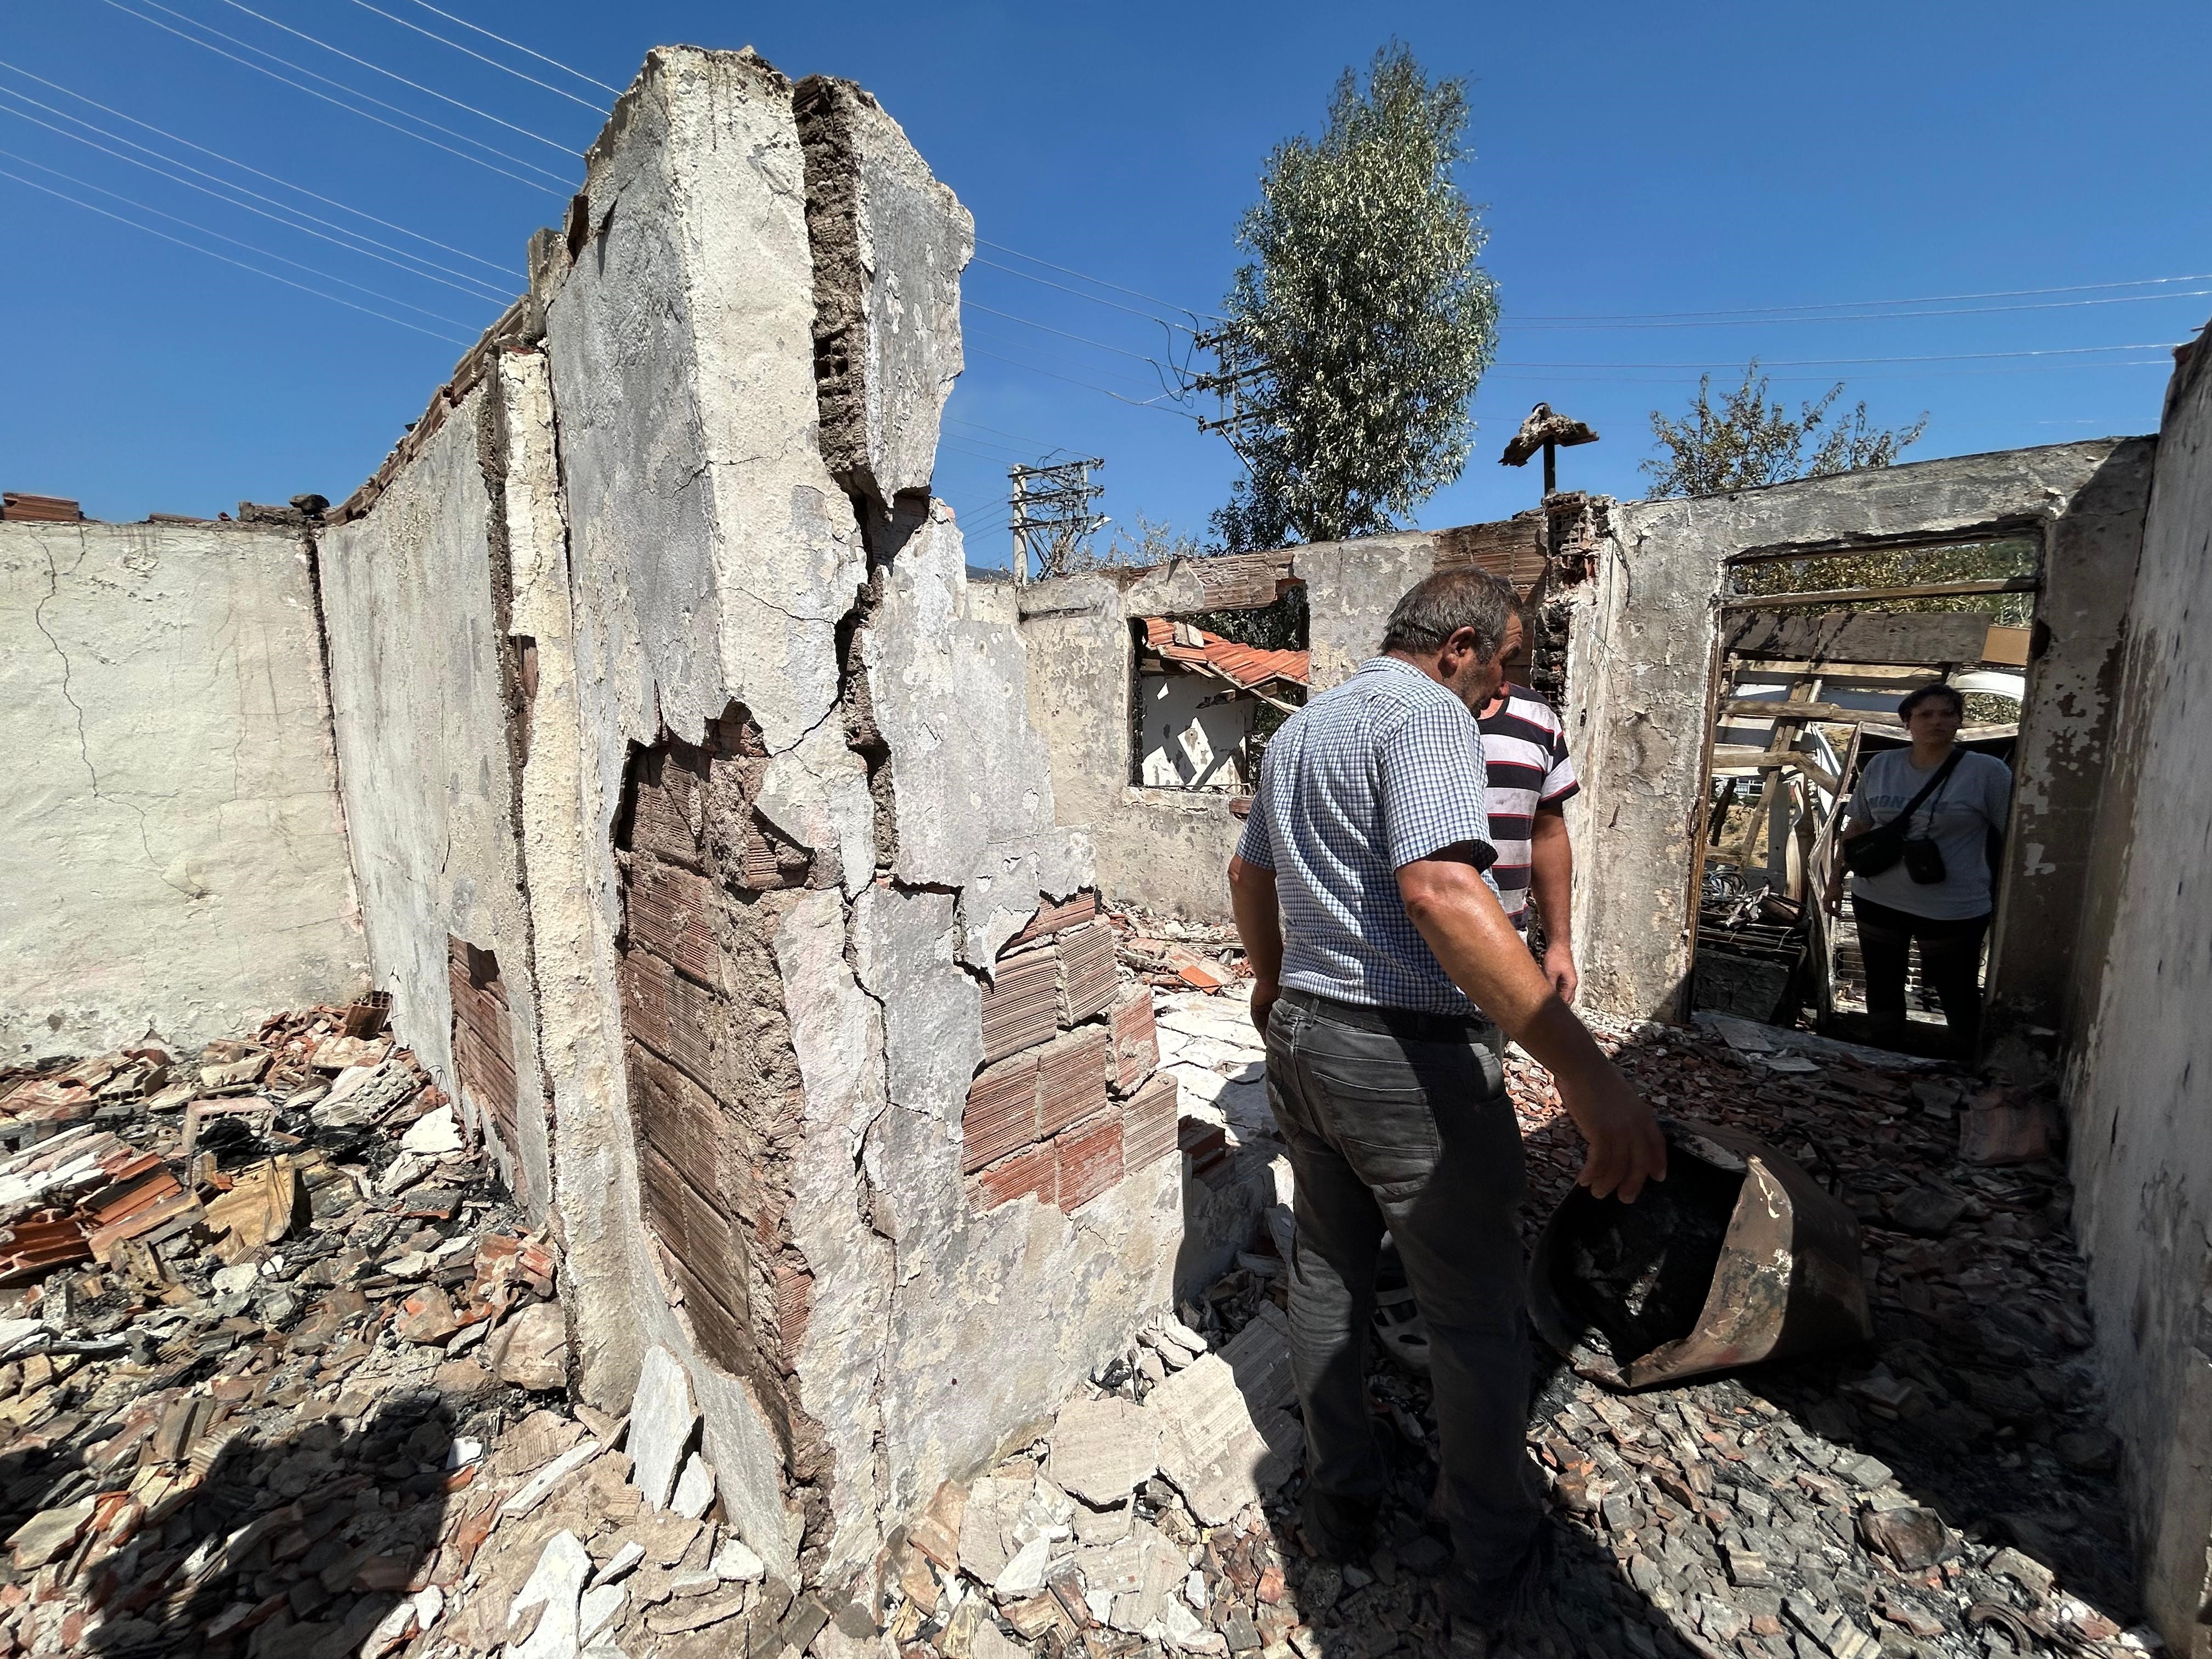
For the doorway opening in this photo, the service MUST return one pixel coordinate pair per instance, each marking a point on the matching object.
(1816, 650)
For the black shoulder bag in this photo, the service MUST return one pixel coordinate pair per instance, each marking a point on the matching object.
(1881, 847)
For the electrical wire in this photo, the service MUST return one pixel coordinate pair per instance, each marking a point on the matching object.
(204, 230)
(1838, 305)
(390, 75)
(1018, 437)
(1028, 276)
(150, 230)
(1066, 271)
(1026, 322)
(519, 46)
(1091, 366)
(558, 92)
(1134, 402)
(477, 288)
(1866, 317)
(348, 108)
(507, 270)
(1840, 363)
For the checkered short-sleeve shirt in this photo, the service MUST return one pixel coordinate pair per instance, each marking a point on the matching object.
(1368, 777)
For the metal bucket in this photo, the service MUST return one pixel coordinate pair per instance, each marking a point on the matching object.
(1776, 1254)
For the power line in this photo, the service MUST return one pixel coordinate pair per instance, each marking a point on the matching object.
(1134, 402)
(973, 305)
(328, 276)
(519, 46)
(1839, 362)
(558, 92)
(478, 291)
(507, 270)
(1029, 444)
(406, 132)
(334, 299)
(1864, 317)
(1837, 305)
(1042, 281)
(1065, 271)
(430, 92)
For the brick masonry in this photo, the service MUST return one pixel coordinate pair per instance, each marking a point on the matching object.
(1069, 1099)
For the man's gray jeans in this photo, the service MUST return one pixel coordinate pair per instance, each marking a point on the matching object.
(1408, 1129)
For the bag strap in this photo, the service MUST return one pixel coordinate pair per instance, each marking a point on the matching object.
(1943, 774)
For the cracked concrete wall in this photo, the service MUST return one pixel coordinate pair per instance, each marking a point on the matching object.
(175, 849)
(1641, 658)
(718, 557)
(1169, 849)
(2141, 1153)
(416, 594)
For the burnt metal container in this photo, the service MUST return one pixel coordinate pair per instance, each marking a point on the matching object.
(1738, 1256)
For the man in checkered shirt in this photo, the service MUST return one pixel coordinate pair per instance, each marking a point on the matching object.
(1386, 978)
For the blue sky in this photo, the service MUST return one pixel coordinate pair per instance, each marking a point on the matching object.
(1635, 164)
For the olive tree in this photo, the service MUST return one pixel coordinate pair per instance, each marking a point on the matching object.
(1359, 328)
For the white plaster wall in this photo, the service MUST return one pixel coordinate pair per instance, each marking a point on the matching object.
(420, 707)
(711, 556)
(1640, 664)
(1168, 705)
(172, 854)
(2142, 1080)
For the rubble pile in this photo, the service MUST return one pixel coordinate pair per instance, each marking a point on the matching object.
(265, 1311)
(1171, 954)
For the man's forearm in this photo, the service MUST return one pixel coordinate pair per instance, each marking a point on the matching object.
(1476, 944)
(1551, 877)
(1259, 923)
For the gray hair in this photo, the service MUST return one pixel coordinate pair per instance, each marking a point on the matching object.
(1439, 606)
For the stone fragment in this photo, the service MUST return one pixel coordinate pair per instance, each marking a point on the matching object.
(937, 1533)
(556, 1584)
(49, 1535)
(1927, 1212)
(694, 1489)
(427, 1316)
(1025, 1572)
(429, 1136)
(1102, 1449)
(1226, 1440)
(620, 1564)
(600, 1606)
(989, 1642)
(2025, 1571)
(534, 1350)
(739, 1564)
(535, 1491)
(1913, 1538)
(2093, 1451)
(662, 1419)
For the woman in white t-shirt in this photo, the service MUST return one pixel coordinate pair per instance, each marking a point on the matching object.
(1949, 915)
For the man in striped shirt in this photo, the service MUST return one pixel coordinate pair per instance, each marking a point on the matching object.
(1531, 776)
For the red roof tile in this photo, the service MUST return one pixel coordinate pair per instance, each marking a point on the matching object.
(1247, 665)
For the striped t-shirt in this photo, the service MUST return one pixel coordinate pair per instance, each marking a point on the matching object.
(1525, 749)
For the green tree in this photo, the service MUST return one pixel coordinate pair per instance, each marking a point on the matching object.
(1747, 442)
(1359, 329)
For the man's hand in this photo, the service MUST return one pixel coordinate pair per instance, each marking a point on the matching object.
(1625, 1147)
(1559, 969)
(1264, 993)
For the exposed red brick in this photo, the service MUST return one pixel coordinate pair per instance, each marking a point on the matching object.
(1071, 1078)
(1030, 1173)
(1090, 1160)
(1002, 1114)
(670, 914)
(1022, 1006)
(1051, 918)
(1148, 1122)
(483, 1045)
(1135, 1050)
(1089, 980)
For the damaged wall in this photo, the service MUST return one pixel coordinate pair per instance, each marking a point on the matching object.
(1169, 849)
(426, 691)
(2142, 1147)
(1640, 674)
(761, 588)
(176, 852)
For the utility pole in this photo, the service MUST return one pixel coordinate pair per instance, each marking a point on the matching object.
(1054, 503)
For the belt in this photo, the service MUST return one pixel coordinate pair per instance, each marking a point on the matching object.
(1409, 1023)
